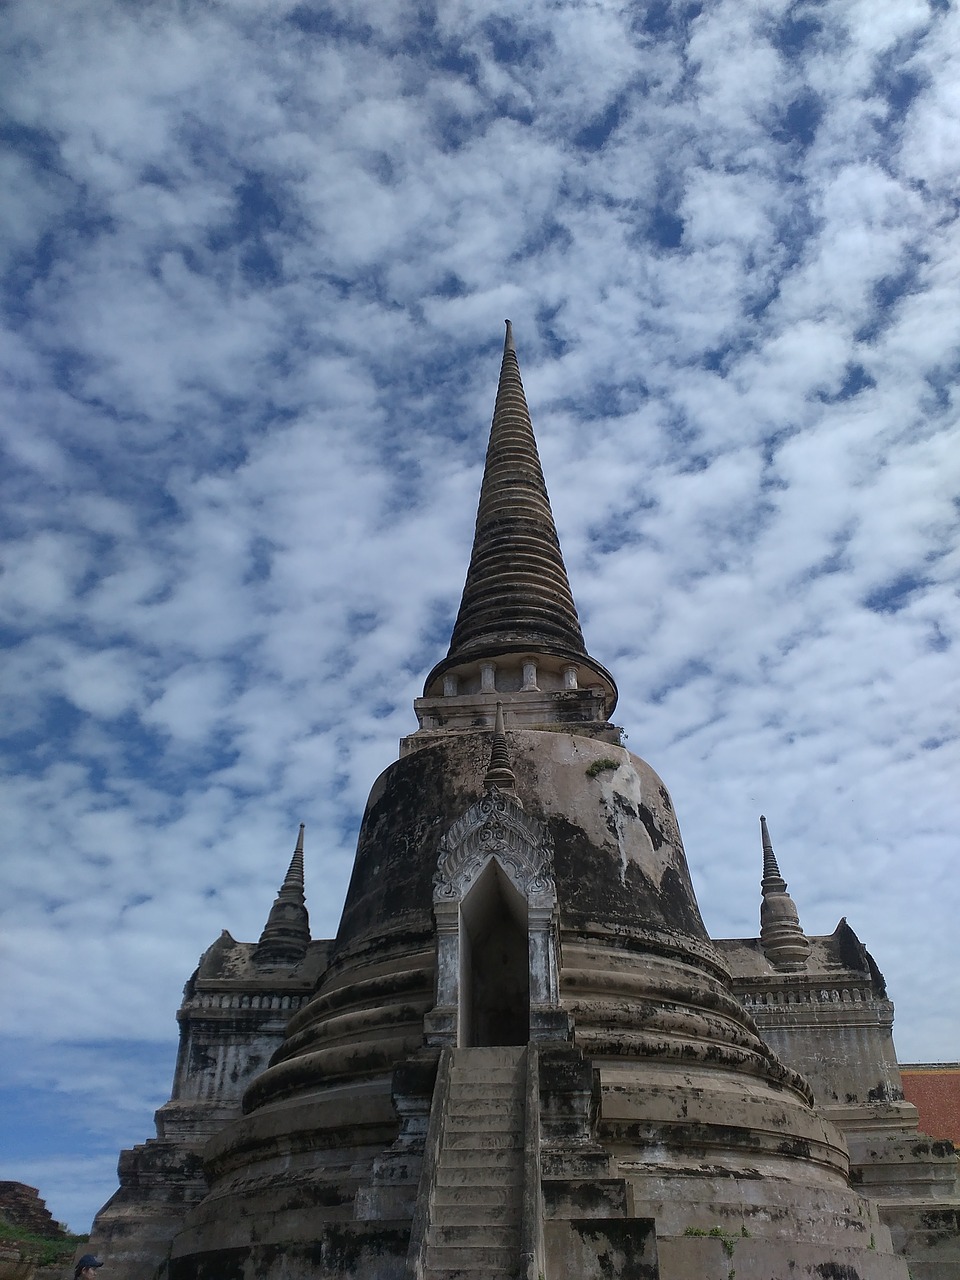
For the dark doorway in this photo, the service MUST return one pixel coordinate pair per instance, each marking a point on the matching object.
(495, 965)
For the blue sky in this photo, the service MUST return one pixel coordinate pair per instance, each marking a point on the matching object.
(256, 263)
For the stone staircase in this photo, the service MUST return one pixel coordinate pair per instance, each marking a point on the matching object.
(475, 1218)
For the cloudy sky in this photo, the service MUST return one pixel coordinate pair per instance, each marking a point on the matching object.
(256, 261)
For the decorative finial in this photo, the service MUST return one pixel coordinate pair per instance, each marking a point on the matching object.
(499, 774)
(784, 943)
(508, 338)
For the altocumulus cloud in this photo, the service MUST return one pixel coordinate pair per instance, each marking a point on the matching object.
(254, 271)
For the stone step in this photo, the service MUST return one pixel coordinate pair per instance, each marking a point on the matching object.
(472, 1235)
(481, 1124)
(487, 1072)
(462, 1213)
(477, 1190)
(494, 1179)
(504, 1140)
(497, 1054)
(482, 1158)
(484, 1196)
(479, 1068)
(485, 1260)
(484, 1116)
(481, 1086)
(508, 1105)
(488, 1273)
(478, 1093)
(470, 1103)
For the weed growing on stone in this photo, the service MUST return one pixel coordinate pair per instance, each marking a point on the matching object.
(599, 766)
(727, 1242)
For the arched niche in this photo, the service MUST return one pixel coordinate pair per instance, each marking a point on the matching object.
(495, 907)
(494, 999)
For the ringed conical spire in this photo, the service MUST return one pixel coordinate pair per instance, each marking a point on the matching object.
(784, 943)
(517, 592)
(517, 597)
(286, 935)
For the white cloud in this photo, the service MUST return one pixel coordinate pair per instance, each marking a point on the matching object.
(257, 280)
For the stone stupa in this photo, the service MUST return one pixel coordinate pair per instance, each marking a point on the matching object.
(522, 1055)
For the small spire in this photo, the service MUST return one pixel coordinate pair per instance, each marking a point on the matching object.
(286, 935)
(784, 943)
(499, 774)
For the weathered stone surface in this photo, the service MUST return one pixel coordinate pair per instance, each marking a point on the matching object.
(594, 1249)
(833, 1022)
(929, 1236)
(14, 1266)
(234, 1014)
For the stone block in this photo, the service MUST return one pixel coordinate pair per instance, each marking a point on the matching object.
(595, 1249)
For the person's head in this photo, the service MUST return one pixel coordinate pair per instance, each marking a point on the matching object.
(86, 1268)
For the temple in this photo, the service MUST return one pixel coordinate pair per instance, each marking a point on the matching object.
(522, 1055)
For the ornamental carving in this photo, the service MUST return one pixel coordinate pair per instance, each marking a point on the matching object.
(495, 827)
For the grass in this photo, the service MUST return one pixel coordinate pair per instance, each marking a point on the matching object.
(40, 1249)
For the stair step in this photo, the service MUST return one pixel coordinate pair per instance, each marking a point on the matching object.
(479, 1217)
(503, 1140)
(507, 1101)
(489, 1273)
(481, 1093)
(488, 1076)
(493, 1100)
(498, 1053)
(458, 1121)
(490, 1177)
(479, 1107)
(486, 1259)
(476, 1197)
(469, 1235)
(488, 1158)
(482, 1124)
(483, 1198)
(487, 1070)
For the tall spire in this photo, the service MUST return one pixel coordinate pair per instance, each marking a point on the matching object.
(784, 943)
(286, 935)
(517, 592)
(517, 598)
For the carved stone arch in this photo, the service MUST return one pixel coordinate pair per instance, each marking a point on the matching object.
(494, 864)
(496, 827)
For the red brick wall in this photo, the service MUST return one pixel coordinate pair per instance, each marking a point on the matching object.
(934, 1089)
(22, 1208)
